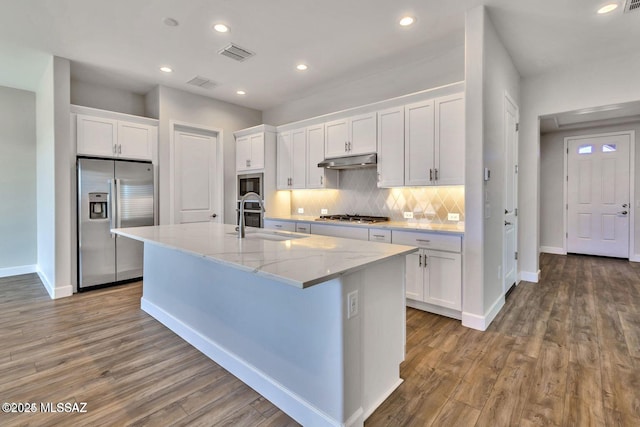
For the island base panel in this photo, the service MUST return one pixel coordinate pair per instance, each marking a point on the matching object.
(297, 347)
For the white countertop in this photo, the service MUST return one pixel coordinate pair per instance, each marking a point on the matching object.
(301, 262)
(410, 225)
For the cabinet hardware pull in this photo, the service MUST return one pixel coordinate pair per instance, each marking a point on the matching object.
(345, 146)
(378, 235)
(423, 240)
(119, 148)
(349, 145)
(430, 174)
(247, 162)
(302, 228)
(419, 260)
(436, 170)
(114, 148)
(278, 226)
(321, 179)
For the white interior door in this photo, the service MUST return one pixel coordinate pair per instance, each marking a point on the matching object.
(195, 178)
(510, 243)
(598, 195)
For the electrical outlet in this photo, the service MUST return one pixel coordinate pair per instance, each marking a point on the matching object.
(352, 304)
(300, 210)
(408, 215)
(324, 211)
(453, 217)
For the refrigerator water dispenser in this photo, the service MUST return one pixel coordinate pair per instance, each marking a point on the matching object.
(98, 205)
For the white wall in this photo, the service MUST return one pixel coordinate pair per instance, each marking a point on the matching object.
(441, 64)
(186, 107)
(55, 166)
(489, 74)
(552, 183)
(601, 82)
(107, 98)
(18, 244)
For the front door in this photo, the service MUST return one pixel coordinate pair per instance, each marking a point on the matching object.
(598, 195)
(195, 177)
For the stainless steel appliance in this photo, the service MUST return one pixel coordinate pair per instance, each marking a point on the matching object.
(253, 212)
(111, 194)
(361, 219)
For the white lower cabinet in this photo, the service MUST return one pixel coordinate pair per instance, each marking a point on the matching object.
(434, 273)
(279, 225)
(358, 233)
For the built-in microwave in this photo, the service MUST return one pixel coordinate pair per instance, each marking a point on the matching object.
(252, 213)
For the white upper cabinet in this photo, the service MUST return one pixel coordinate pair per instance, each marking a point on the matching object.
(250, 152)
(418, 148)
(350, 136)
(450, 140)
(291, 159)
(318, 177)
(97, 136)
(135, 141)
(434, 142)
(105, 137)
(391, 147)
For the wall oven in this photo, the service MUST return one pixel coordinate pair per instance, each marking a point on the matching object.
(253, 215)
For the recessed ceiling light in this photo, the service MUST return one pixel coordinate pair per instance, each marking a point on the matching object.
(407, 20)
(301, 67)
(221, 28)
(241, 92)
(607, 8)
(166, 69)
(170, 22)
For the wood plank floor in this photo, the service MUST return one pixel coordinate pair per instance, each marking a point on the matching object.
(565, 352)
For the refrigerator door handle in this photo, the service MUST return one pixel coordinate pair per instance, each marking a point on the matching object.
(112, 205)
(118, 199)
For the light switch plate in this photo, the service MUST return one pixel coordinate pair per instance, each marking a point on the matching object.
(324, 211)
(453, 217)
(408, 215)
(300, 210)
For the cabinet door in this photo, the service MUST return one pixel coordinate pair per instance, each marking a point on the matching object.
(97, 136)
(418, 148)
(391, 147)
(315, 154)
(449, 140)
(135, 141)
(414, 276)
(257, 151)
(443, 279)
(336, 139)
(243, 154)
(298, 158)
(362, 134)
(284, 161)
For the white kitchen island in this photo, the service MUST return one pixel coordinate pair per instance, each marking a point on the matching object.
(315, 324)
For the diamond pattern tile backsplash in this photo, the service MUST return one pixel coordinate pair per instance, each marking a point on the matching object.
(358, 194)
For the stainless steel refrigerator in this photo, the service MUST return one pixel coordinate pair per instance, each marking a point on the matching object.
(111, 194)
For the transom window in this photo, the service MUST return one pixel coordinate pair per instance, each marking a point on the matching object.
(585, 149)
(608, 148)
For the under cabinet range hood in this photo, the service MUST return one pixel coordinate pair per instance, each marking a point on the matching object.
(350, 162)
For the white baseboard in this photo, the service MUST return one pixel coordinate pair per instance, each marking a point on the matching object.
(553, 250)
(16, 271)
(528, 276)
(290, 403)
(481, 323)
(375, 405)
(55, 293)
(634, 258)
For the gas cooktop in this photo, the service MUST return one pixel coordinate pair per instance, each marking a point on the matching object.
(363, 219)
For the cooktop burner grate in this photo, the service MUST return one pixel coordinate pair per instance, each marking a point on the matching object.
(353, 218)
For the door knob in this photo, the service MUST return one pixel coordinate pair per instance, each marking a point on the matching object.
(216, 215)
(507, 223)
(625, 205)
(623, 213)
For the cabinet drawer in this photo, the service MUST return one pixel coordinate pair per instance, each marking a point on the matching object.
(303, 227)
(358, 233)
(280, 225)
(379, 235)
(441, 242)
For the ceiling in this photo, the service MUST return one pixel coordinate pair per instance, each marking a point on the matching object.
(606, 115)
(123, 43)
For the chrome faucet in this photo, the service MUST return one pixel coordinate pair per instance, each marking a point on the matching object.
(247, 196)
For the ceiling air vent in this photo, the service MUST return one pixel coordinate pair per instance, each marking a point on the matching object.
(236, 52)
(201, 82)
(631, 6)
